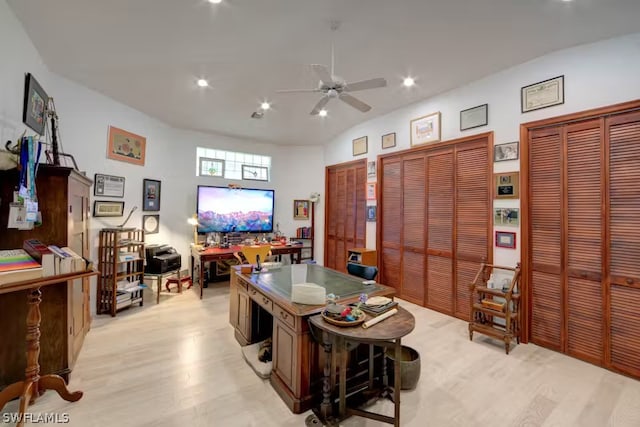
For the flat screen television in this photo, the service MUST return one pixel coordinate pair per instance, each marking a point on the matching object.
(224, 210)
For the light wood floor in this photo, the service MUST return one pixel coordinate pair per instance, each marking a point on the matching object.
(177, 364)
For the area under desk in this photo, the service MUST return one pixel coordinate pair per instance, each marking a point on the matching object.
(260, 305)
(217, 254)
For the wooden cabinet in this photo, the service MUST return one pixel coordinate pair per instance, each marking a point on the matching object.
(362, 256)
(285, 354)
(121, 264)
(63, 197)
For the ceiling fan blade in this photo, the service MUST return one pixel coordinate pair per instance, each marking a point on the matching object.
(355, 102)
(323, 73)
(366, 84)
(323, 101)
(298, 91)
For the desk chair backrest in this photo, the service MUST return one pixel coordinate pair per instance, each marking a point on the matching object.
(367, 272)
(250, 253)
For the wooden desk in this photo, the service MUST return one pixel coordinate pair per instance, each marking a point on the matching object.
(260, 306)
(387, 333)
(217, 254)
(34, 385)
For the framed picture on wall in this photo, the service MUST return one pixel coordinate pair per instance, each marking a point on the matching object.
(360, 146)
(474, 117)
(102, 208)
(389, 140)
(543, 94)
(34, 112)
(300, 209)
(150, 195)
(425, 129)
(506, 239)
(504, 152)
(506, 216)
(151, 224)
(371, 190)
(126, 146)
(371, 213)
(507, 185)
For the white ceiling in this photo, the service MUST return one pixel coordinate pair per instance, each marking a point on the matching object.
(148, 54)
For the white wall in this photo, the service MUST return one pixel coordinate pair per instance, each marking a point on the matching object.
(84, 119)
(596, 75)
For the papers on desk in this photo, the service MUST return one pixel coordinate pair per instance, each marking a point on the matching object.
(308, 293)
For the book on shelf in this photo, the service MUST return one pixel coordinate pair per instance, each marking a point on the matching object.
(63, 260)
(78, 264)
(42, 254)
(16, 266)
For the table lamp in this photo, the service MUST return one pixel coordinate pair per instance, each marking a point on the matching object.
(194, 221)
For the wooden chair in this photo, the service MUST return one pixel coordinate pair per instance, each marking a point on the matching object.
(489, 304)
(367, 272)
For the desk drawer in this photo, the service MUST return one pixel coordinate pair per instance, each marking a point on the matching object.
(242, 283)
(284, 316)
(262, 300)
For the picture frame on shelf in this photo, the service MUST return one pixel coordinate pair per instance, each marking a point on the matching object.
(126, 146)
(546, 93)
(506, 239)
(107, 208)
(474, 117)
(255, 173)
(371, 191)
(360, 146)
(108, 185)
(507, 185)
(151, 195)
(509, 217)
(300, 209)
(389, 140)
(36, 100)
(151, 224)
(372, 213)
(506, 151)
(425, 129)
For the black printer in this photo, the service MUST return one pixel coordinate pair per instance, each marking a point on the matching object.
(161, 258)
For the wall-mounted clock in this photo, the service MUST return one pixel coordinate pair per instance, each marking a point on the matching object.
(151, 223)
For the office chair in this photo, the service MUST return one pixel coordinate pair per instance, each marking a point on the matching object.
(367, 272)
(251, 254)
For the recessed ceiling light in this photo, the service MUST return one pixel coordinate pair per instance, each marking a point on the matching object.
(322, 113)
(215, 1)
(265, 105)
(408, 81)
(203, 83)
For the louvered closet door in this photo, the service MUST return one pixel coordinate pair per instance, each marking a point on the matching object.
(390, 216)
(340, 211)
(440, 219)
(545, 215)
(331, 218)
(360, 211)
(473, 204)
(413, 234)
(624, 244)
(584, 242)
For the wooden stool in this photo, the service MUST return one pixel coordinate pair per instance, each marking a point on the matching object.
(178, 280)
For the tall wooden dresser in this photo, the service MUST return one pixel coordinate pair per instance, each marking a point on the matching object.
(63, 196)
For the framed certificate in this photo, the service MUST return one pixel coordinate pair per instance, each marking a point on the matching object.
(108, 185)
(544, 94)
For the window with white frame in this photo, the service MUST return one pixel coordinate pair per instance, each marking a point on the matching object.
(232, 165)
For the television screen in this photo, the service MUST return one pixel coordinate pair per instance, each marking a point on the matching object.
(223, 209)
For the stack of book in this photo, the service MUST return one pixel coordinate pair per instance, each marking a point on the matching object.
(16, 266)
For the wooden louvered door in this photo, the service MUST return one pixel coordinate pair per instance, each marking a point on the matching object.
(473, 222)
(434, 221)
(390, 214)
(440, 219)
(545, 213)
(413, 229)
(345, 212)
(583, 254)
(624, 242)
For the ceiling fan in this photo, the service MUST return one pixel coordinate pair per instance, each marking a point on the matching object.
(332, 86)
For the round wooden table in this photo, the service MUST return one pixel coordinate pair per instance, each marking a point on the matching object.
(388, 334)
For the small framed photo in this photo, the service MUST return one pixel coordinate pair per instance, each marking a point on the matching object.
(371, 213)
(474, 117)
(34, 111)
(255, 173)
(126, 146)
(389, 140)
(506, 216)
(546, 93)
(150, 195)
(300, 209)
(360, 146)
(504, 152)
(371, 191)
(425, 129)
(108, 185)
(371, 169)
(507, 185)
(103, 208)
(506, 239)
(151, 224)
